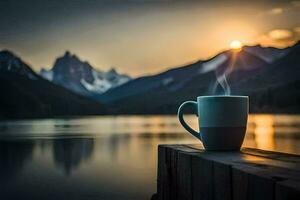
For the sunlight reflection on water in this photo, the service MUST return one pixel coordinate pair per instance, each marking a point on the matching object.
(108, 157)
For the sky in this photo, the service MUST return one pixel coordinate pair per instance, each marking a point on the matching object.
(141, 37)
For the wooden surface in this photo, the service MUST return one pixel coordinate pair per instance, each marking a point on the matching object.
(188, 172)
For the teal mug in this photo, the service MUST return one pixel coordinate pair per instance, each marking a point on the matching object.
(223, 121)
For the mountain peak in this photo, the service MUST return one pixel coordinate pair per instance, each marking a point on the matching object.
(67, 54)
(6, 52)
(113, 71)
(9, 62)
(79, 76)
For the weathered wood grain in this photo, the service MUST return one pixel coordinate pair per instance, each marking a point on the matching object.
(202, 182)
(222, 181)
(184, 176)
(189, 172)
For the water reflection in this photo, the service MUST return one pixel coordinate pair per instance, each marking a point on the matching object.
(13, 156)
(264, 131)
(69, 153)
(115, 142)
(108, 157)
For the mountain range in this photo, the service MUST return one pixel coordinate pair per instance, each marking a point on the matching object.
(25, 94)
(269, 76)
(80, 77)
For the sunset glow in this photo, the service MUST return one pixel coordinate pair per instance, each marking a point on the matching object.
(236, 44)
(142, 38)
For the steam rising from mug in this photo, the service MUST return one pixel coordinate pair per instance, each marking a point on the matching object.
(222, 74)
(222, 81)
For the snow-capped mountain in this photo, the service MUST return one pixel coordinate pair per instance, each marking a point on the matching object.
(204, 72)
(11, 63)
(27, 94)
(79, 76)
(103, 81)
(163, 93)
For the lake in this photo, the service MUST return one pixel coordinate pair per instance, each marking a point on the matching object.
(108, 157)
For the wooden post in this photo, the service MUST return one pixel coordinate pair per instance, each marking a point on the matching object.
(187, 172)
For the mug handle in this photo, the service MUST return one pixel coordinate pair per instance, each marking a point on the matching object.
(183, 123)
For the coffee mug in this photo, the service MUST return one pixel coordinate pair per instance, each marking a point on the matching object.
(222, 121)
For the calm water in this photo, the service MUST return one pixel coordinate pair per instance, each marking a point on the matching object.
(107, 157)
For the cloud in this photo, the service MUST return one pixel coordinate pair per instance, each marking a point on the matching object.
(280, 37)
(276, 11)
(280, 34)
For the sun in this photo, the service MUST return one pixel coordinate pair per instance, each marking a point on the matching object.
(236, 45)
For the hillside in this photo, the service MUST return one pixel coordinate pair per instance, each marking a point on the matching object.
(26, 95)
